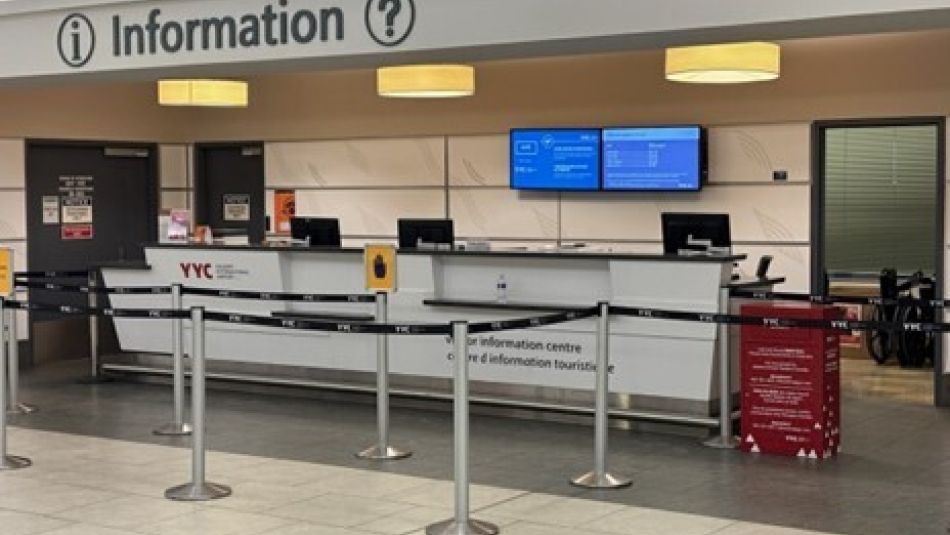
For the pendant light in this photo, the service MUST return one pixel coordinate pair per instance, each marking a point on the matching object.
(732, 63)
(426, 81)
(203, 93)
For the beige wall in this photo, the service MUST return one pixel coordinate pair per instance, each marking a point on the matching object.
(898, 74)
(880, 75)
(110, 112)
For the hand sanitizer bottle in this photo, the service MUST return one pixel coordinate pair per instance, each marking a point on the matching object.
(502, 289)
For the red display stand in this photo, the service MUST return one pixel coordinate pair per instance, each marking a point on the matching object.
(791, 384)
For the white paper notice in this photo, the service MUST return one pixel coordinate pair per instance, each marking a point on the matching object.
(237, 207)
(50, 210)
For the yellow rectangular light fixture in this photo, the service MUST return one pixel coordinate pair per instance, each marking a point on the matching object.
(731, 63)
(426, 81)
(203, 93)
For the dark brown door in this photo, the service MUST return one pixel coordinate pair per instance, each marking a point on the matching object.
(88, 203)
(230, 188)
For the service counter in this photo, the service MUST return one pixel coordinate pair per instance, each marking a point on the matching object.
(658, 366)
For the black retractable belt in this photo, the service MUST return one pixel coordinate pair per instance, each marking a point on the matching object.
(74, 288)
(51, 275)
(279, 296)
(528, 323)
(778, 323)
(330, 326)
(839, 299)
(70, 310)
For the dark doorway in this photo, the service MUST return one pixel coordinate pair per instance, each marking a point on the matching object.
(230, 190)
(878, 202)
(88, 204)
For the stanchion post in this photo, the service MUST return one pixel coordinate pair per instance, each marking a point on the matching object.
(94, 371)
(382, 451)
(7, 462)
(462, 524)
(177, 427)
(198, 490)
(600, 478)
(92, 301)
(726, 440)
(15, 406)
(10, 331)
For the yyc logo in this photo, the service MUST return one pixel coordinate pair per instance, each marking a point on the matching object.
(194, 270)
(76, 40)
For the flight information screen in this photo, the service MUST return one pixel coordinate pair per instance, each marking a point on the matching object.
(559, 160)
(653, 159)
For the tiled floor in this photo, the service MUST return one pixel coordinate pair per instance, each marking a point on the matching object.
(94, 486)
(292, 458)
(866, 378)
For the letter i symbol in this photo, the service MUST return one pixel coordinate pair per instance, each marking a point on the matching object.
(76, 45)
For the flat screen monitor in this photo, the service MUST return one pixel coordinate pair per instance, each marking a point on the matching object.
(664, 158)
(438, 231)
(555, 159)
(695, 232)
(320, 231)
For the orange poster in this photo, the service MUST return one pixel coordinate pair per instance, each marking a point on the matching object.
(285, 207)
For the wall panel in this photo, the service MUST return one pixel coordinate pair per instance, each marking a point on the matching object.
(479, 160)
(371, 212)
(503, 213)
(359, 163)
(752, 153)
(760, 213)
(12, 163)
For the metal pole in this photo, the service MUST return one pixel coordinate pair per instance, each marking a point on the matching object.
(600, 478)
(726, 439)
(177, 427)
(93, 326)
(382, 451)
(462, 524)
(199, 490)
(92, 300)
(15, 406)
(7, 462)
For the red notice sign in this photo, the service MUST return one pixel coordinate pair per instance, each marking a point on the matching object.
(791, 384)
(76, 232)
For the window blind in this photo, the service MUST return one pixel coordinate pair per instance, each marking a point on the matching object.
(880, 188)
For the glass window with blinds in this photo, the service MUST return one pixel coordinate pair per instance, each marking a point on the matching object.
(880, 199)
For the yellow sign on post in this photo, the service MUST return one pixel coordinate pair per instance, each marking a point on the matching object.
(6, 272)
(380, 261)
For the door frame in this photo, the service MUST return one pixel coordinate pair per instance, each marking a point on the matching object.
(818, 282)
(200, 186)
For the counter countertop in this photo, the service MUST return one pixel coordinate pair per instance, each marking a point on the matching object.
(462, 253)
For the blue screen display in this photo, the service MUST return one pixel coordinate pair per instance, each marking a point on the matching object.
(653, 159)
(562, 160)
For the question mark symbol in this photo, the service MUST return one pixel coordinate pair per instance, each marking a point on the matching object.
(392, 8)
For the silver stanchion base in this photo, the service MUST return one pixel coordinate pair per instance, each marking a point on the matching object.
(374, 453)
(591, 480)
(472, 527)
(722, 443)
(173, 430)
(12, 462)
(191, 492)
(22, 408)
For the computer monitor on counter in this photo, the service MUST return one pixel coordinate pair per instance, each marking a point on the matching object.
(434, 232)
(317, 231)
(686, 234)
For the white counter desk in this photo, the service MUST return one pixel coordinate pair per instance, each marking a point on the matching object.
(657, 366)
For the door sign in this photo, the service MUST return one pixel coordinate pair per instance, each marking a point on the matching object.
(50, 210)
(237, 207)
(76, 193)
(380, 262)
